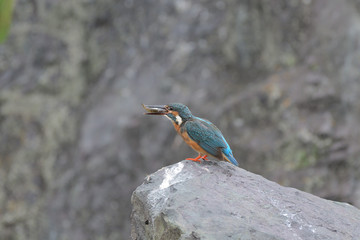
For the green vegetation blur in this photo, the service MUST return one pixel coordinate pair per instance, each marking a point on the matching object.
(6, 9)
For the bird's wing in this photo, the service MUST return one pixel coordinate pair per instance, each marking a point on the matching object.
(207, 135)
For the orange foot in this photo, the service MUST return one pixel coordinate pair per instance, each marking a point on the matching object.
(197, 159)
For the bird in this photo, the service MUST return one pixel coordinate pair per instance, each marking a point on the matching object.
(200, 134)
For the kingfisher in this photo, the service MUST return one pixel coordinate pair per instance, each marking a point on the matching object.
(200, 134)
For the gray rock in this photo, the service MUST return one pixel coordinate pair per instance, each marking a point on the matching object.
(279, 78)
(216, 200)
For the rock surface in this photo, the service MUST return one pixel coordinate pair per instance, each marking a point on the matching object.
(279, 78)
(216, 200)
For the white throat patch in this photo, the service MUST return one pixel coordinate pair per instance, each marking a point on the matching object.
(178, 120)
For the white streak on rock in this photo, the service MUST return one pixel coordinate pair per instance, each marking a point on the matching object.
(170, 174)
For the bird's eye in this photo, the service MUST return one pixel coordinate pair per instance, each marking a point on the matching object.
(170, 108)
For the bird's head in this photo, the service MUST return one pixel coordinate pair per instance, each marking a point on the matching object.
(178, 113)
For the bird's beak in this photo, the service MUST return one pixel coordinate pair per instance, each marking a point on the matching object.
(155, 109)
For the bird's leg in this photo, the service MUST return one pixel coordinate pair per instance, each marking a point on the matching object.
(197, 159)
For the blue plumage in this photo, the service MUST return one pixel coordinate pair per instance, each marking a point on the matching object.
(209, 137)
(200, 134)
(205, 135)
(229, 155)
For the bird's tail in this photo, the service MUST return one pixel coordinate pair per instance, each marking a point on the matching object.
(230, 158)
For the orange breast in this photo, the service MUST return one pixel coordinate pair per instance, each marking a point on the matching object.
(190, 142)
(177, 128)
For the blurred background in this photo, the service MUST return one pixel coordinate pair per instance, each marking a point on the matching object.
(281, 79)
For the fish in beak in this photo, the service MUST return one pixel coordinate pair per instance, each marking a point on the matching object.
(155, 109)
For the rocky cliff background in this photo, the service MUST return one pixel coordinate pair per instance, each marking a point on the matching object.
(280, 79)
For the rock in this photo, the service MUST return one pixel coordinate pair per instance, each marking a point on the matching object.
(216, 200)
(279, 78)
